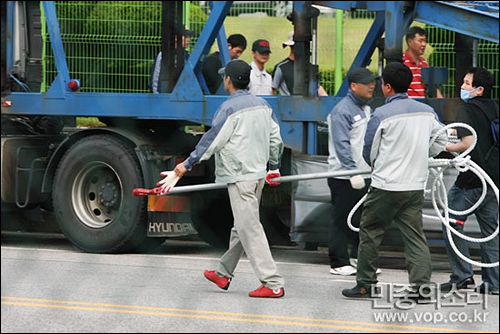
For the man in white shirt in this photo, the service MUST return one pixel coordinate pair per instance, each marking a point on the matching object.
(260, 80)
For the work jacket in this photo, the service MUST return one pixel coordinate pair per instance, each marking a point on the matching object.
(244, 137)
(400, 138)
(346, 133)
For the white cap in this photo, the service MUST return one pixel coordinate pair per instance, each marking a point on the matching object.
(290, 41)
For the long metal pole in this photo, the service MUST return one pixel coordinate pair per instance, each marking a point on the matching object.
(288, 178)
(282, 179)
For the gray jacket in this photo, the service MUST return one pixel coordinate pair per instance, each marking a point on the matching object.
(244, 137)
(397, 143)
(347, 126)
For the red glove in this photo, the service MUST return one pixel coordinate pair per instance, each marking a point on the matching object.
(272, 174)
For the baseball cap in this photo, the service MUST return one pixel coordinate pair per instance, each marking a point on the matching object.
(237, 69)
(290, 41)
(261, 46)
(360, 75)
(188, 32)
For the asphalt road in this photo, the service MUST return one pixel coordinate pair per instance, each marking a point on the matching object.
(49, 286)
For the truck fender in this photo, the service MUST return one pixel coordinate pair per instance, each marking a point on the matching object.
(136, 140)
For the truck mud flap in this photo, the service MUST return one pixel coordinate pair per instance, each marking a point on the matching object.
(169, 216)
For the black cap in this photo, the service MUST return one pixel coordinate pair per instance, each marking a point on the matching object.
(237, 69)
(360, 75)
(261, 46)
(188, 32)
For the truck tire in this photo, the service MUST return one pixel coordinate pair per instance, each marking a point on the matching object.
(277, 232)
(212, 217)
(93, 200)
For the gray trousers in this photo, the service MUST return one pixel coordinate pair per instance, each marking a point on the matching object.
(405, 209)
(247, 235)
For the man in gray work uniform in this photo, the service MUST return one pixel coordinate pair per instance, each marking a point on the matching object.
(400, 137)
(245, 138)
(346, 132)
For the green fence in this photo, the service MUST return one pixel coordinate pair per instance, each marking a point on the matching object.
(443, 43)
(110, 45)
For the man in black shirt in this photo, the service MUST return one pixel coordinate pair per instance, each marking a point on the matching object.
(467, 189)
(283, 72)
(237, 43)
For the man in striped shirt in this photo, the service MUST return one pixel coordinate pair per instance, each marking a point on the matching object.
(416, 39)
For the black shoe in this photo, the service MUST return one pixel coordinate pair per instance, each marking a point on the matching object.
(460, 285)
(482, 289)
(359, 291)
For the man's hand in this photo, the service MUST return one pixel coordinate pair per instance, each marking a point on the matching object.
(357, 182)
(271, 174)
(180, 170)
(169, 182)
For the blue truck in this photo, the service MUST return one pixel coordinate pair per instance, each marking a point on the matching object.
(86, 176)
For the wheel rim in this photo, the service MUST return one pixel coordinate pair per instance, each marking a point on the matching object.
(97, 195)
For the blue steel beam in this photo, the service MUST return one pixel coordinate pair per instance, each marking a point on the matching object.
(185, 88)
(363, 58)
(457, 17)
(154, 106)
(290, 109)
(10, 37)
(60, 85)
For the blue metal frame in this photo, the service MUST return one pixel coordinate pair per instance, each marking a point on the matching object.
(363, 58)
(298, 115)
(460, 17)
(10, 27)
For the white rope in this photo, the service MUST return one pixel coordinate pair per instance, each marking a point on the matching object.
(438, 191)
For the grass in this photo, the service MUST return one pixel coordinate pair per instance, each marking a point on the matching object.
(88, 122)
(276, 30)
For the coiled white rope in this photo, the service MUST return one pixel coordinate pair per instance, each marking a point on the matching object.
(438, 191)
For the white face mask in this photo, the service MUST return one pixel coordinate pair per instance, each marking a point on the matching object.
(465, 94)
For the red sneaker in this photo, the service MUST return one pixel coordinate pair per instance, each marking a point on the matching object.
(221, 281)
(263, 292)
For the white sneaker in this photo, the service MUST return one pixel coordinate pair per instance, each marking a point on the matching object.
(354, 263)
(343, 271)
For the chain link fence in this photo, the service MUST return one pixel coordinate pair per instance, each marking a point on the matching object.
(110, 45)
